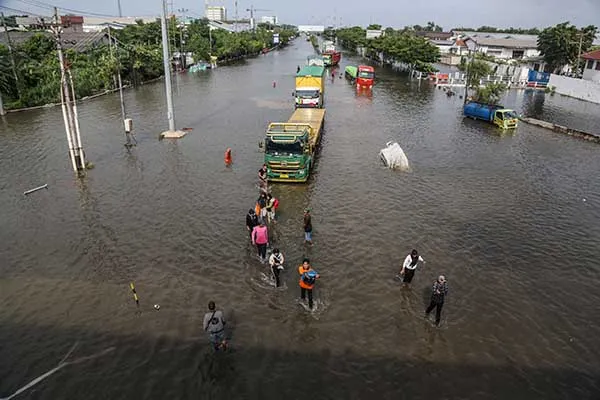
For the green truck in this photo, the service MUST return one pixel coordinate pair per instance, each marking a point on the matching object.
(310, 87)
(290, 146)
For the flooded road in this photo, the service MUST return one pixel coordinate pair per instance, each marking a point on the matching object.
(511, 219)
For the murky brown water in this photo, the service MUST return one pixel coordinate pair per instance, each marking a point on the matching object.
(503, 216)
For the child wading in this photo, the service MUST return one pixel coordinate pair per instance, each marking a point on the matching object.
(308, 278)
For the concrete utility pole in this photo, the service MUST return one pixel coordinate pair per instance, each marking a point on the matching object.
(579, 52)
(12, 56)
(69, 107)
(2, 112)
(171, 133)
(119, 4)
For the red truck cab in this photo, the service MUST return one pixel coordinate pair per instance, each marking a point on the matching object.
(365, 76)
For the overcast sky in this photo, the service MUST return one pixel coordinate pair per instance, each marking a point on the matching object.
(395, 13)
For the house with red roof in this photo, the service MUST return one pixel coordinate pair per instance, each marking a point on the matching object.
(591, 69)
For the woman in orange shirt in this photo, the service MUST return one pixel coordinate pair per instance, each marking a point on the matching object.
(308, 277)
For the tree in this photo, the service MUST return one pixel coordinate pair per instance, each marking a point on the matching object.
(560, 44)
(475, 70)
(374, 27)
(490, 93)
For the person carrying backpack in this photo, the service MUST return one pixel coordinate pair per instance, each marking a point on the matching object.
(214, 324)
(276, 262)
(270, 208)
(251, 221)
(308, 278)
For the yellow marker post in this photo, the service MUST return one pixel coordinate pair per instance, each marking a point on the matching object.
(135, 296)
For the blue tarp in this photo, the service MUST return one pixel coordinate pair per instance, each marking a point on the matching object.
(539, 77)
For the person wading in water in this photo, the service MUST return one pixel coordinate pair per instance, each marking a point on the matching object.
(260, 238)
(308, 278)
(214, 324)
(438, 295)
(276, 262)
(307, 227)
(251, 221)
(409, 266)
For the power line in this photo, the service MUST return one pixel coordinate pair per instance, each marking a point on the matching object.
(22, 12)
(41, 4)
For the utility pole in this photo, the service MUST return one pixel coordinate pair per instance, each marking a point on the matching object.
(127, 123)
(12, 56)
(69, 107)
(2, 112)
(119, 4)
(171, 133)
(235, 26)
(579, 52)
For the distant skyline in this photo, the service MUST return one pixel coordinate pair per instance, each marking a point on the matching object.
(397, 14)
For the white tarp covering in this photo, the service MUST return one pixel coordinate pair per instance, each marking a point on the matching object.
(394, 157)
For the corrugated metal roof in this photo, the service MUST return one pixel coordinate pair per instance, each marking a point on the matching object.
(311, 70)
(505, 42)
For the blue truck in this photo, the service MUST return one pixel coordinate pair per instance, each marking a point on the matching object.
(495, 114)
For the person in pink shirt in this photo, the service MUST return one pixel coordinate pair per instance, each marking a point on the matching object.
(260, 238)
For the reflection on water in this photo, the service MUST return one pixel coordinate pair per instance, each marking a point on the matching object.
(501, 215)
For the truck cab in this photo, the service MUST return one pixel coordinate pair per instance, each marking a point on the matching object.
(506, 119)
(308, 97)
(288, 152)
(365, 76)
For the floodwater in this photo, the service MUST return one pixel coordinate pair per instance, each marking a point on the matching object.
(511, 219)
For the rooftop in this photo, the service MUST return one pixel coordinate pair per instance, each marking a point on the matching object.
(592, 55)
(434, 35)
(508, 42)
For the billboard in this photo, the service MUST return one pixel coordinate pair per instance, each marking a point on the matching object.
(374, 33)
(311, 28)
(276, 38)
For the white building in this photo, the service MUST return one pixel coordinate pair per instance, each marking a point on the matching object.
(96, 24)
(591, 70)
(216, 13)
(269, 20)
(507, 48)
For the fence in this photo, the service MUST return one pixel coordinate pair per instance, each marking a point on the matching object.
(577, 88)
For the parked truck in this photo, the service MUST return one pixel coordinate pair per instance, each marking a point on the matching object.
(290, 146)
(310, 87)
(495, 114)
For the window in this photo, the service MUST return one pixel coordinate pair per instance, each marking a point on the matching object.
(275, 148)
(518, 54)
(590, 64)
(597, 65)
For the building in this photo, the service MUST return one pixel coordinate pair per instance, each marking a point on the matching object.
(96, 24)
(506, 48)
(591, 70)
(434, 35)
(216, 13)
(272, 20)
(70, 23)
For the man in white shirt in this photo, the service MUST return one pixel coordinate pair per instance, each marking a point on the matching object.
(410, 265)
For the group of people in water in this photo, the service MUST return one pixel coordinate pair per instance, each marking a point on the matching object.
(440, 285)
(264, 213)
